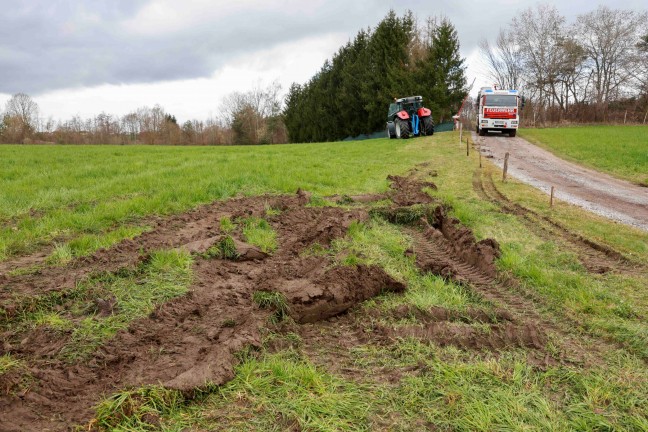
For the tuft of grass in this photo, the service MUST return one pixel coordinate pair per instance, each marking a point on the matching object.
(228, 323)
(405, 215)
(270, 211)
(138, 409)
(274, 301)
(224, 249)
(345, 200)
(317, 201)
(226, 225)
(258, 232)
(53, 320)
(61, 255)
(9, 363)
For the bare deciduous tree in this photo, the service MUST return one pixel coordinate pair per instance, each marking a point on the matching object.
(539, 33)
(609, 38)
(249, 113)
(22, 115)
(504, 60)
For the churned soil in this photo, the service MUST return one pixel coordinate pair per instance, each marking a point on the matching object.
(193, 339)
(190, 340)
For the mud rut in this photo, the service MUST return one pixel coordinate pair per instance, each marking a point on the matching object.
(595, 257)
(195, 338)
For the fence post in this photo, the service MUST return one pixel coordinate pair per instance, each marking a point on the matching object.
(505, 171)
(460, 132)
(551, 197)
(467, 148)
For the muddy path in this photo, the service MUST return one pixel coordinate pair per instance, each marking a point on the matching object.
(595, 257)
(595, 191)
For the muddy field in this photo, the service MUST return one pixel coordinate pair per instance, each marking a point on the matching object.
(194, 339)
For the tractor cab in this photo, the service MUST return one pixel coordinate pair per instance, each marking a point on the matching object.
(411, 105)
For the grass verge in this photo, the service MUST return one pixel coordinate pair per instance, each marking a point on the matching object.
(618, 150)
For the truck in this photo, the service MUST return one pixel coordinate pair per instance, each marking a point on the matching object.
(407, 117)
(498, 110)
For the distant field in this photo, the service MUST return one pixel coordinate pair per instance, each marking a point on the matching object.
(57, 193)
(619, 150)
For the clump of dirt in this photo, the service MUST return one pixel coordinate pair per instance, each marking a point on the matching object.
(407, 191)
(449, 232)
(316, 292)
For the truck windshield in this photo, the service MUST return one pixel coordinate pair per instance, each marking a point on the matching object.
(501, 100)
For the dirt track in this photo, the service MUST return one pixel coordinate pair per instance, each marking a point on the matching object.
(597, 192)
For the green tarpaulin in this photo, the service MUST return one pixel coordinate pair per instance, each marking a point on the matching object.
(441, 127)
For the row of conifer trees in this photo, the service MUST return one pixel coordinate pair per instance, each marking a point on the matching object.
(351, 93)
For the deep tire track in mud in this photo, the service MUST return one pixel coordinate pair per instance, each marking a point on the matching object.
(595, 257)
(436, 251)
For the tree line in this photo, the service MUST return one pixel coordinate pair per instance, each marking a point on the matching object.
(252, 117)
(594, 69)
(351, 93)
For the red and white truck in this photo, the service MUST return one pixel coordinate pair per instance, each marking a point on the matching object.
(498, 110)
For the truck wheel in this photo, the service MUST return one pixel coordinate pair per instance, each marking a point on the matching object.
(402, 128)
(482, 132)
(512, 132)
(428, 125)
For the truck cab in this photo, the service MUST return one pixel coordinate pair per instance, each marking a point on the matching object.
(498, 110)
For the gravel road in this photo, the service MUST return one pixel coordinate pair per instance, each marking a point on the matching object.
(600, 193)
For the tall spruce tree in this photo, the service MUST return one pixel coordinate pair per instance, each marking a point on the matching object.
(389, 67)
(350, 94)
(441, 73)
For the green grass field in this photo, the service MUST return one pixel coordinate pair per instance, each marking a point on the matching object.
(619, 150)
(82, 198)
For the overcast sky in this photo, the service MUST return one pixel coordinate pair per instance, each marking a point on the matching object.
(85, 57)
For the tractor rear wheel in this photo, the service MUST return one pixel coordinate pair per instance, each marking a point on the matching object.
(428, 125)
(402, 128)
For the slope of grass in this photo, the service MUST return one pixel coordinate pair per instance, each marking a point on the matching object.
(619, 150)
(56, 194)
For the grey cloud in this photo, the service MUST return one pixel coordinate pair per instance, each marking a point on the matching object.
(52, 45)
(49, 45)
